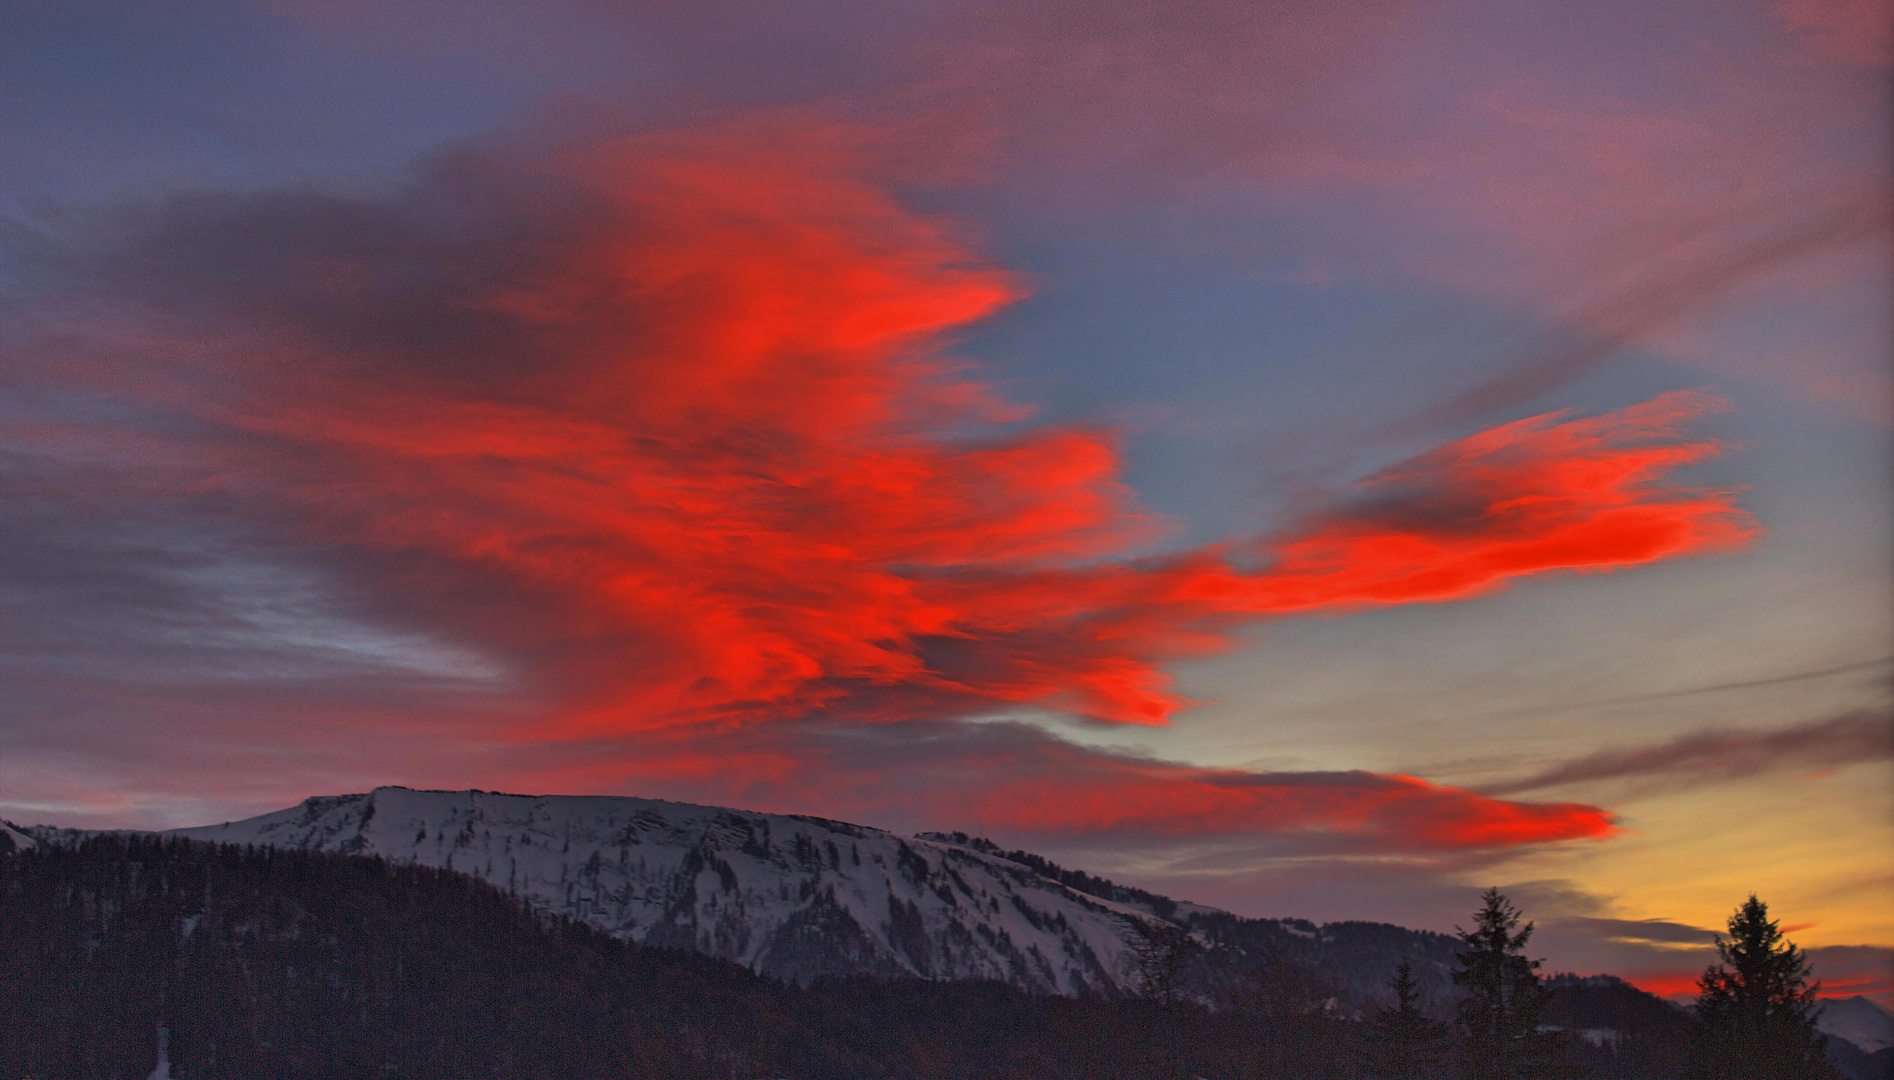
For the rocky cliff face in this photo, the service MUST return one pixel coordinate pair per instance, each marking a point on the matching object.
(792, 897)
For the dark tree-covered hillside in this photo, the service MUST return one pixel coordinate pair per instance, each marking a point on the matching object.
(264, 962)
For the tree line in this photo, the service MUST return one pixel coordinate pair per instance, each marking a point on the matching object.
(1753, 1020)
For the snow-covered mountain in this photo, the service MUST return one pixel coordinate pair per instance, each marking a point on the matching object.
(803, 897)
(1859, 1020)
(789, 896)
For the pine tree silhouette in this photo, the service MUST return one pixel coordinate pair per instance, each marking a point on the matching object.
(1403, 1043)
(1755, 1011)
(1500, 1014)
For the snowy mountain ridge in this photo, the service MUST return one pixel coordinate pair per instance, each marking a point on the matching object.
(799, 897)
(1859, 1020)
(788, 896)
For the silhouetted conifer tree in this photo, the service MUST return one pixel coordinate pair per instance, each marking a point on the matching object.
(1755, 1011)
(1400, 1041)
(1500, 1014)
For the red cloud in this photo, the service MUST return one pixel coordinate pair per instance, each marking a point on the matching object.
(1540, 494)
(669, 424)
(1168, 799)
(670, 420)
(1669, 984)
(1014, 779)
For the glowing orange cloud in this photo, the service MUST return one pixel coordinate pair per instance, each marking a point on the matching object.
(670, 420)
(1014, 778)
(1841, 970)
(1540, 494)
(668, 427)
(1667, 984)
(1174, 800)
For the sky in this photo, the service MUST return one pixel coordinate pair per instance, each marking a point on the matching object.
(1316, 459)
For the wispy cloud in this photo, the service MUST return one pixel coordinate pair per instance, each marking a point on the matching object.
(1687, 279)
(1717, 754)
(1661, 932)
(1885, 663)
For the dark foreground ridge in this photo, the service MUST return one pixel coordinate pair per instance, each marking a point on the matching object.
(289, 964)
(261, 962)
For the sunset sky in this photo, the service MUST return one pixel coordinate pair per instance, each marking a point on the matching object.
(1317, 459)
